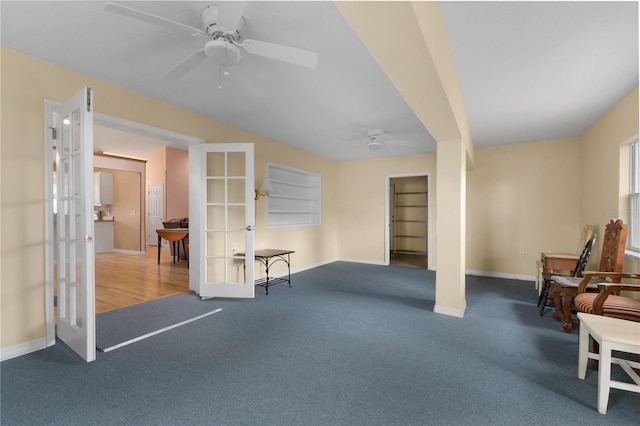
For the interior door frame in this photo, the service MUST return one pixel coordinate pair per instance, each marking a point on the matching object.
(388, 214)
(49, 254)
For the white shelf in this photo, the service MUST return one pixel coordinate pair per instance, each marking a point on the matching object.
(295, 197)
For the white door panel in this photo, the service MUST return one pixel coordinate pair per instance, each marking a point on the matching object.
(155, 199)
(221, 220)
(74, 222)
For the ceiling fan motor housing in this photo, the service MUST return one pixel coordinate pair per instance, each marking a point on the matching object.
(375, 139)
(209, 16)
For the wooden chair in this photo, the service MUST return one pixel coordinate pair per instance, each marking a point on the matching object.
(550, 260)
(576, 272)
(612, 259)
(609, 301)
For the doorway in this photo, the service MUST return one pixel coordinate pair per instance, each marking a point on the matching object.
(145, 133)
(408, 204)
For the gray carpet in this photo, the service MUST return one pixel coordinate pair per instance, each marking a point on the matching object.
(125, 324)
(349, 344)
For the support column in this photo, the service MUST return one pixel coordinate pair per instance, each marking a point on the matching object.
(450, 227)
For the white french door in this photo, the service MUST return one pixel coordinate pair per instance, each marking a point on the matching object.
(74, 224)
(221, 220)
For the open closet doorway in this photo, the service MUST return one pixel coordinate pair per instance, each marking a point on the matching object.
(408, 201)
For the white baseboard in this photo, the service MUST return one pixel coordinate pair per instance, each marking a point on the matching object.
(365, 261)
(303, 268)
(449, 311)
(500, 275)
(22, 349)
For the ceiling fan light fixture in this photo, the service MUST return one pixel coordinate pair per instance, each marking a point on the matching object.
(375, 145)
(222, 52)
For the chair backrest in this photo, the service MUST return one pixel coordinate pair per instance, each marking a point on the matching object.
(613, 246)
(584, 257)
(585, 236)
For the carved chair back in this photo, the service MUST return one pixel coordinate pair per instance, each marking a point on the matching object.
(613, 246)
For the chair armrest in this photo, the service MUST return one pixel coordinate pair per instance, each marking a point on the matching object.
(615, 277)
(616, 287)
(598, 302)
(612, 275)
(611, 288)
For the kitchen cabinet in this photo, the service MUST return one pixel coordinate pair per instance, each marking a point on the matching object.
(103, 236)
(102, 189)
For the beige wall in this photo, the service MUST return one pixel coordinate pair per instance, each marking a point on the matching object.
(361, 203)
(177, 188)
(522, 199)
(26, 83)
(156, 165)
(126, 210)
(604, 175)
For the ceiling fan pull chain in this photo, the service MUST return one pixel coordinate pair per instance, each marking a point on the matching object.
(226, 56)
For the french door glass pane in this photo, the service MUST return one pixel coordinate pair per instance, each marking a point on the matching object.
(215, 190)
(215, 164)
(235, 190)
(235, 163)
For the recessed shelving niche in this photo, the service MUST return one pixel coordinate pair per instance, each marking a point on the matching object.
(295, 198)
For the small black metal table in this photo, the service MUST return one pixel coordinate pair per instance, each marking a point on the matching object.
(268, 257)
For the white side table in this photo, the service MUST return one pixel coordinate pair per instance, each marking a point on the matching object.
(612, 334)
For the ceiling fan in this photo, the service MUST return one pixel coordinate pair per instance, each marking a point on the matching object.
(222, 28)
(376, 137)
(378, 140)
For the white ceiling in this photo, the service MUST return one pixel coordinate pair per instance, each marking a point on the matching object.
(527, 70)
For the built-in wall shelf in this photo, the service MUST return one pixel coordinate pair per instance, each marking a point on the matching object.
(295, 197)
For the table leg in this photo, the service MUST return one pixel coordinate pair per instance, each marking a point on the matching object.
(604, 376)
(266, 266)
(583, 352)
(159, 245)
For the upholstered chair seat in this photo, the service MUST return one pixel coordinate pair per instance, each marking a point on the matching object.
(614, 306)
(574, 282)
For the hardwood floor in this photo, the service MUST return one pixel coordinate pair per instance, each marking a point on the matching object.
(412, 260)
(127, 279)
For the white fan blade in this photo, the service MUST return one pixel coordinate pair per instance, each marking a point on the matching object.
(401, 143)
(147, 17)
(292, 55)
(230, 14)
(185, 65)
